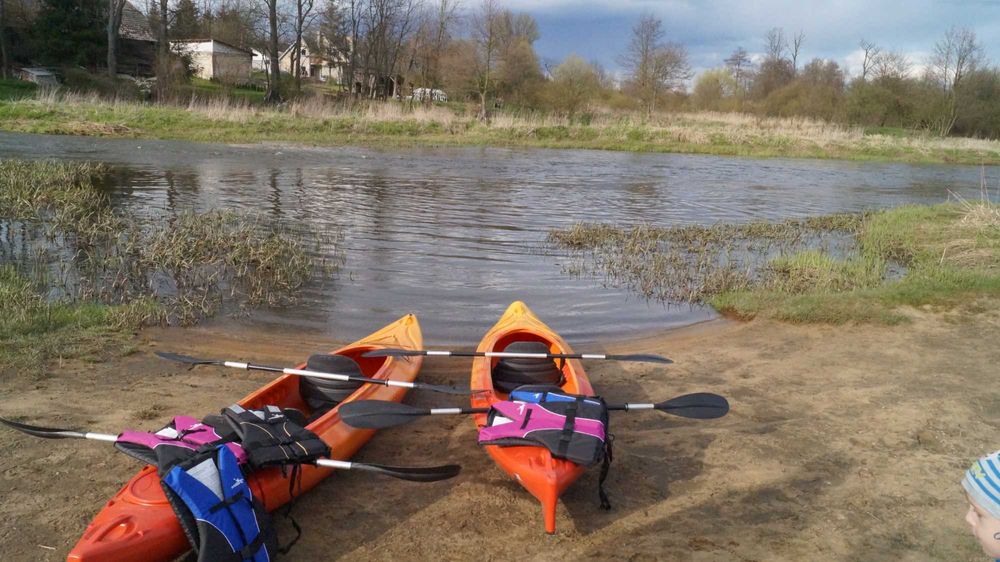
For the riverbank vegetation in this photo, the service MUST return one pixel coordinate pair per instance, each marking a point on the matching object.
(76, 276)
(397, 62)
(322, 122)
(834, 269)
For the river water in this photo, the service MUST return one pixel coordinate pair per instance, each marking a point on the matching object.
(454, 234)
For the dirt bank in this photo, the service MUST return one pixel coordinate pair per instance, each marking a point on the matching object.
(844, 443)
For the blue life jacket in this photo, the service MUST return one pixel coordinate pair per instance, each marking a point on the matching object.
(216, 507)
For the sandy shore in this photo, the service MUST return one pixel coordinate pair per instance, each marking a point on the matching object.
(844, 443)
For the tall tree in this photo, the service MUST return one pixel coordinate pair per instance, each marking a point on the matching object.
(115, 9)
(871, 53)
(955, 56)
(303, 15)
(775, 44)
(4, 57)
(273, 94)
(70, 32)
(796, 48)
(653, 66)
(486, 34)
(187, 20)
(740, 67)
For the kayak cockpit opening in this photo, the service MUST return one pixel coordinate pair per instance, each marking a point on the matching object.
(511, 372)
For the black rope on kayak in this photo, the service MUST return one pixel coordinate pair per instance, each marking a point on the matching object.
(605, 468)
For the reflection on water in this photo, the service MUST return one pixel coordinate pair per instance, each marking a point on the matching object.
(453, 234)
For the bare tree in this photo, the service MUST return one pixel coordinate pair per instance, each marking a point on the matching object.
(4, 57)
(796, 49)
(890, 65)
(653, 66)
(115, 9)
(273, 94)
(486, 34)
(775, 44)
(955, 56)
(432, 36)
(303, 16)
(739, 66)
(871, 52)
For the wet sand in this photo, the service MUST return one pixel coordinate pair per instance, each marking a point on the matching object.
(844, 443)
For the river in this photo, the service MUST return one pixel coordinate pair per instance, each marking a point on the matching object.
(455, 234)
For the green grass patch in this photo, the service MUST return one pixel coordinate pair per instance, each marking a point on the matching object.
(308, 120)
(12, 89)
(832, 269)
(951, 256)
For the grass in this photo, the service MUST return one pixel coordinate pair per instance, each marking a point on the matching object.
(315, 120)
(80, 276)
(200, 87)
(34, 331)
(948, 256)
(12, 89)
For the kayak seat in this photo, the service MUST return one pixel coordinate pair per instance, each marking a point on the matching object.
(323, 394)
(512, 372)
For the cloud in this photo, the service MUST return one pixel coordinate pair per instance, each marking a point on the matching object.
(710, 29)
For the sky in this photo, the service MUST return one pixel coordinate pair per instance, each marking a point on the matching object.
(599, 30)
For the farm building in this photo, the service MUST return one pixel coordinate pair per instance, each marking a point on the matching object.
(215, 60)
(319, 60)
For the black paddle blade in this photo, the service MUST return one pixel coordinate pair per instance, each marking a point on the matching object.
(642, 358)
(378, 414)
(392, 353)
(445, 389)
(187, 359)
(412, 473)
(700, 405)
(43, 432)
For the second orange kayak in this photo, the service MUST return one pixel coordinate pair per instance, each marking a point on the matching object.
(533, 467)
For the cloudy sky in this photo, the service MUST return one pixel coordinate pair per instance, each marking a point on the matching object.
(599, 30)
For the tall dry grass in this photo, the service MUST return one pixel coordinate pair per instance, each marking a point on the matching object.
(632, 130)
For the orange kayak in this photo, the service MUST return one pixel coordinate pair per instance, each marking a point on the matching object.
(533, 467)
(137, 524)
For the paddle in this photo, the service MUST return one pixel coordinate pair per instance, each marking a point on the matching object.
(313, 374)
(378, 414)
(412, 473)
(644, 358)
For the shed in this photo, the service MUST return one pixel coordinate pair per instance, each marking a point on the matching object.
(216, 60)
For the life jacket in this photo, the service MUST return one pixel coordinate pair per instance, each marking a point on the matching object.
(176, 442)
(270, 438)
(217, 509)
(570, 426)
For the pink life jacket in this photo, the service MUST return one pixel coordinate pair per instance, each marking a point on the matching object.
(571, 427)
(174, 443)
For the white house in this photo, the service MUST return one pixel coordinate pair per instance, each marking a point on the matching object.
(259, 61)
(214, 59)
(319, 60)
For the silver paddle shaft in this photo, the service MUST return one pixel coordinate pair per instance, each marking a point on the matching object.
(328, 463)
(327, 376)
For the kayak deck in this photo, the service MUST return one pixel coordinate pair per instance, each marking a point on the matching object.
(138, 524)
(534, 468)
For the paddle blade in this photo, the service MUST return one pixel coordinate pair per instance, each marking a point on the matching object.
(700, 405)
(392, 353)
(445, 389)
(412, 473)
(43, 432)
(642, 358)
(378, 414)
(187, 359)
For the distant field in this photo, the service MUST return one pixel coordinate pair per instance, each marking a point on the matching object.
(235, 115)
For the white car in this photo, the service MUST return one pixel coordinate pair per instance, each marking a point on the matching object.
(424, 94)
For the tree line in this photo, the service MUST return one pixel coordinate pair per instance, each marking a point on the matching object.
(485, 54)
